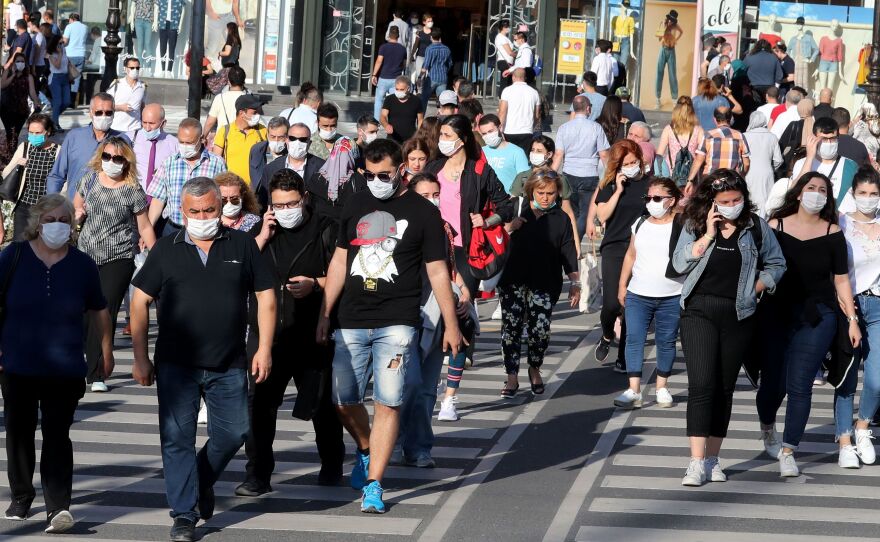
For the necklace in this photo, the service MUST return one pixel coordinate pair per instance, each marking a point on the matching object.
(370, 283)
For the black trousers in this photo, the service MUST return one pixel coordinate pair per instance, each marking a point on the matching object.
(20, 220)
(503, 82)
(167, 45)
(523, 141)
(612, 265)
(714, 343)
(115, 278)
(602, 89)
(265, 398)
(55, 400)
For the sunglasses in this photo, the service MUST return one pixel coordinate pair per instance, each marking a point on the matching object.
(384, 177)
(726, 183)
(235, 200)
(100, 113)
(117, 159)
(300, 139)
(549, 174)
(655, 199)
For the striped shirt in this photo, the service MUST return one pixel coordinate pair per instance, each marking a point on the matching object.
(723, 147)
(39, 164)
(106, 235)
(438, 61)
(173, 174)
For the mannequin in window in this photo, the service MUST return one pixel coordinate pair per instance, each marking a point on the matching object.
(624, 27)
(830, 58)
(803, 49)
(772, 35)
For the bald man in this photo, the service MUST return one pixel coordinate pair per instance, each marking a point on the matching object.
(152, 145)
(520, 111)
(826, 104)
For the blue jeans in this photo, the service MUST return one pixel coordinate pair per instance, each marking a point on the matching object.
(383, 353)
(623, 55)
(428, 88)
(416, 436)
(146, 42)
(869, 307)
(79, 62)
(667, 58)
(59, 91)
(383, 87)
(582, 189)
(179, 390)
(793, 374)
(640, 310)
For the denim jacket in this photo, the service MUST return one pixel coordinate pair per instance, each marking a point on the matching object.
(771, 258)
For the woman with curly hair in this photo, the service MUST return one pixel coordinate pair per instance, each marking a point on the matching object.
(728, 256)
(240, 208)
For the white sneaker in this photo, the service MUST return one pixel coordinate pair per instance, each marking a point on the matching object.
(664, 398)
(848, 457)
(713, 467)
(203, 415)
(865, 447)
(628, 399)
(496, 314)
(787, 465)
(447, 410)
(695, 475)
(772, 444)
(99, 387)
(60, 523)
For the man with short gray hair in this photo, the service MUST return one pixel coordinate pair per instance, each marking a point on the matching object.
(297, 158)
(266, 152)
(205, 274)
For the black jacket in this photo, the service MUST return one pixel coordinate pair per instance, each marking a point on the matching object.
(317, 186)
(479, 184)
(260, 185)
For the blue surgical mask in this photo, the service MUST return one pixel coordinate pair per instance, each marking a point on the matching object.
(36, 140)
(152, 135)
(539, 208)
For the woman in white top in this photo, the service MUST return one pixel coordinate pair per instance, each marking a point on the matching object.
(648, 294)
(765, 157)
(862, 232)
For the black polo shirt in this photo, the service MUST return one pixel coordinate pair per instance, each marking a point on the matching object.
(203, 305)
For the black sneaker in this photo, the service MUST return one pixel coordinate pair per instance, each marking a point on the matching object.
(184, 530)
(620, 367)
(252, 488)
(18, 510)
(330, 476)
(602, 349)
(206, 503)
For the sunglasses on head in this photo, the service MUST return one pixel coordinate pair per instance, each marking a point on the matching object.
(300, 139)
(116, 159)
(655, 199)
(100, 113)
(726, 183)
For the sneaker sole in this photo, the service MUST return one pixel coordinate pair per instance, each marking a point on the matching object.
(856, 465)
(61, 524)
(718, 479)
(447, 419)
(789, 474)
(628, 406)
(619, 371)
(688, 483)
(15, 518)
(372, 510)
(871, 462)
(665, 405)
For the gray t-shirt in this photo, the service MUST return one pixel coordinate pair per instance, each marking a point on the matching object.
(106, 235)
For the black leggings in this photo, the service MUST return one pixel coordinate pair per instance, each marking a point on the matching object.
(167, 43)
(714, 344)
(20, 220)
(115, 278)
(612, 265)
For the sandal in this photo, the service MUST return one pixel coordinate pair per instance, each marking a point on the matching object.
(538, 388)
(508, 392)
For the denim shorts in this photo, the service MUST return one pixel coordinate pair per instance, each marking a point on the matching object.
(826, 66)
(382, 353)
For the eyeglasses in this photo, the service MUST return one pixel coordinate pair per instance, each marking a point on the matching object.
(287, 205)
(300, 139)
(235, 200)
(384, 177)
(115, 158)
(655, 199)
(100, 113)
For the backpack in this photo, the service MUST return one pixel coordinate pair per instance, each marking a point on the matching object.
(489, 248)
(681, 166)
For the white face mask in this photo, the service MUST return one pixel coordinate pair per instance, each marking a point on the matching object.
(382, 190)
(230, 210)
(55, 234)
(435, 201)
(656, 208)
(254, 120)
(19, 66)
(289, 218)
(189, 151)
(277, 147)
(429, 24)
(867, 205)
(493, 139)
(202, 230)
(327, 135)
(297, 149)
(813, 202)
(828, 151)
(448, 148)
(631, 172)
(102, 124)
(111, 169)
(732, 212)
(134, 74)
(537, 158)
(369, 138)
(401, 94)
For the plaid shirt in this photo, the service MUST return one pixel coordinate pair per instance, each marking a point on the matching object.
(169, 179)
(438, 61)
(723, 147)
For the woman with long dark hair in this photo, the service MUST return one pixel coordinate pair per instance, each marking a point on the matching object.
(611, 119)
(429, 130)
(232, 48)
(729, 256)
(619, 202)
(417, 152)
(16, 86)
(806, 305)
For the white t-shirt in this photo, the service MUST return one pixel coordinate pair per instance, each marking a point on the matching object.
(605, 67)
(767, 109)
(864, 257)
(124, 93)
(500, 41)
(652, 258)
(777, 193)
(783, 120)
(302, 114)
(523, 57)
(223, 107)
(521, 103)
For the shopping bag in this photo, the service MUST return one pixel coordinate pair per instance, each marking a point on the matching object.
(591, 282)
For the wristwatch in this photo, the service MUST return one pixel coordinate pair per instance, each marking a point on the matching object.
(853, 318)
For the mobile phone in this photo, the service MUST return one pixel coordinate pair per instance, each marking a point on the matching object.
(716, 207)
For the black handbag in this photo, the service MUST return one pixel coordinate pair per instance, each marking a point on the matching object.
(7, 279)
(11, 184)
(314, 384)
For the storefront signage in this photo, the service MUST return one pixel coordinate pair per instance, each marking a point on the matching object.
(572, 47)
(722, 18)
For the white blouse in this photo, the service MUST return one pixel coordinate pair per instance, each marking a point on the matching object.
(863, 255)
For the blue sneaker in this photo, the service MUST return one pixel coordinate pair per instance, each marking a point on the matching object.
(371, 502)
(359, 471)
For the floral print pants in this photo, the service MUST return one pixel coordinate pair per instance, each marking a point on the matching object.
(520, 306)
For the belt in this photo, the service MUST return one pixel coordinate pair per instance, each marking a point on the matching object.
(868, 293)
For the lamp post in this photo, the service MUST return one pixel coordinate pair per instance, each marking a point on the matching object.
(872, 85)
(196, 54)
(111, 48)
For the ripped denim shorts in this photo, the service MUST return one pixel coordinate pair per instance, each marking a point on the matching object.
(382, 353)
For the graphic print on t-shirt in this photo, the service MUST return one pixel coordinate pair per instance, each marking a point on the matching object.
(378, 234)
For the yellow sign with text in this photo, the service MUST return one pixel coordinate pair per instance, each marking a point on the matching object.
(572, 47)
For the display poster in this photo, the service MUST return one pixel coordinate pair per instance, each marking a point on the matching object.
(666, 67)
(218, 15)
(270, 47)
(572, 47)
(722, 18)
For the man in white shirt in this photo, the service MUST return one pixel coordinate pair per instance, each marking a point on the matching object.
(503, 54)
(525, 56)
(222, 110)
(604, 66)
(307, 112)
(519, 111)
(772, 102)
(128, 95)
(779, 125)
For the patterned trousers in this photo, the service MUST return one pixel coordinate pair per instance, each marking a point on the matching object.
(520, 305)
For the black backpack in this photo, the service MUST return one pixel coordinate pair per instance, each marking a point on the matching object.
(681, 166)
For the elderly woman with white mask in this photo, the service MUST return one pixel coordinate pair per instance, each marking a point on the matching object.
(765, 159)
